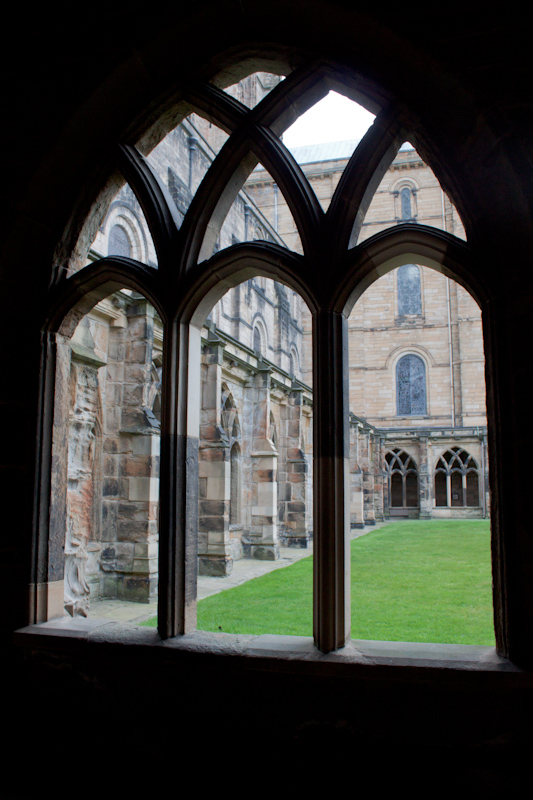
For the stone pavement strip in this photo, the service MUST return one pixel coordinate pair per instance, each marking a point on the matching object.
(243, 570)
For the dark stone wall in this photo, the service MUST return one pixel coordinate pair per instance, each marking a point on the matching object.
(464, 90)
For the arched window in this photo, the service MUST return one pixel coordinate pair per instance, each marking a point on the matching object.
(411, 386)
(402, 479)
(257, 340)
(260, 337)
(119, 242)
(294, 363)
(235, 485)
(409, 293)
(200, 281)
(405, 203)
(456, 479)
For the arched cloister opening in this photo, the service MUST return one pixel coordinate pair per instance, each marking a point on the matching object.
(104, 528)
(255, 487)
(402, 476)
(408, 400)
(457, 480)
(206, 272)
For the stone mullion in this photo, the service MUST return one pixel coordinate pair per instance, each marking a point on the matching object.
(47, 589)
(264, 541)
(214, 552)
(331, 470)
(425, 492)
(179, 481)
(296, 524)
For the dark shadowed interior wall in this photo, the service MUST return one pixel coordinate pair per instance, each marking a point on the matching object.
(91, 702)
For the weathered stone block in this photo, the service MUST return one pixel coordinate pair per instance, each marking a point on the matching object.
(265, 553)
(211, 524)
(264, 475)
(143, 489)
(202, 542)
(137, 352)
(213, 507)
(146, 445)
(134, 374)
(131, 510)
(132, 531)
(212, 454)
(215, 565)
(296, 477)
(109, 520)
(110, 466)
(146, 550)
(299, 466)
(284, 491)
(110, 444)
(217, 538)
(293, 428)
(294, 453)
(262, 519)
(296, 507)
(132, 395)
(148, 566)
(136, 466)
(110, 487)
(137, 589)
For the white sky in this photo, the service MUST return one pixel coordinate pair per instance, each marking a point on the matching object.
(333, 119)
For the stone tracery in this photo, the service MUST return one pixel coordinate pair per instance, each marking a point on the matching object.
(199, 232)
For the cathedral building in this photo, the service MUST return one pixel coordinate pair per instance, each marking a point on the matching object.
(416, 372)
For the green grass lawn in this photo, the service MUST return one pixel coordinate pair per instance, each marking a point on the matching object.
(412, 581)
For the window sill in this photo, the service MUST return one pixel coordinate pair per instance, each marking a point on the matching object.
(65, 633)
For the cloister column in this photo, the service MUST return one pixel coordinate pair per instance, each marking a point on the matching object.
(379, 479)
(425, 480)
(214, 469)
(331, 562)
(356, 477)
(130, 491)
(296, 533)
(368, 478)
(263, 536)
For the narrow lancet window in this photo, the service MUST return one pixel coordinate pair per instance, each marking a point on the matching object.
(119, 242)
(411, 386)
(409, 293)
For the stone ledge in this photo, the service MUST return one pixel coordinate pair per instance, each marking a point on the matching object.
(64, 631)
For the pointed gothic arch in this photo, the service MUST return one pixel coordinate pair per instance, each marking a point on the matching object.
(402, 476)
(186, 287)
(456, 479)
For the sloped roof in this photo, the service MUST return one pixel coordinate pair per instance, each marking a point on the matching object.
(327, 151)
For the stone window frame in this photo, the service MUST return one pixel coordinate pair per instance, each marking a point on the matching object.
(294, 360)
(462, 464)
(124, 216)
(409, 317)
(397, 190)
(420, 413)
(399, 462)
(258, 324)
(187, 285)
(128, 241)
